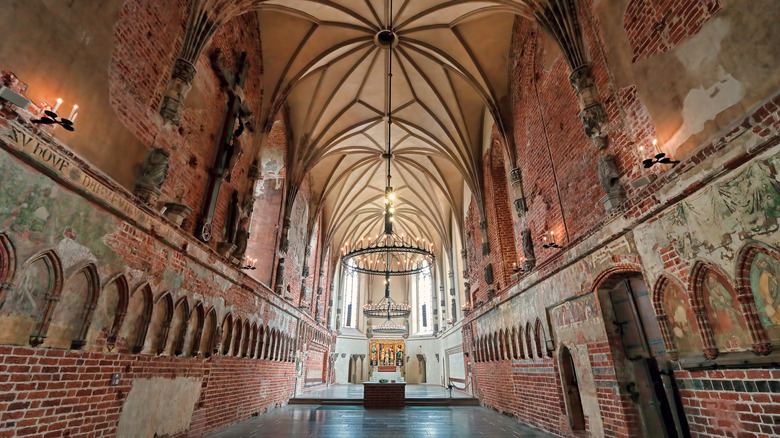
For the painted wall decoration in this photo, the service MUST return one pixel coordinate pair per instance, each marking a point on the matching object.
(728, 324)
(573, 312)
(682, 321)
(24, 302)
(748, 204)
(764, 278)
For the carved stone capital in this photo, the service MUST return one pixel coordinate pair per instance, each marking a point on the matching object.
(762, 348)
(711, 353)
(179, 86)
(581, 78)
(595, 122)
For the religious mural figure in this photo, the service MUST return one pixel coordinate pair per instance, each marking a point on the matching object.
(373, 358)
(681, 320)
(399, 356)
(764, 284)
(728, 325)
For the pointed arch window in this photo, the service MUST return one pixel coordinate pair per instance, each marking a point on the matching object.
(351, 291)
(425, 298)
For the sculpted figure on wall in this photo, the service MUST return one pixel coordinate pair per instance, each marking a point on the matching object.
(154, 172)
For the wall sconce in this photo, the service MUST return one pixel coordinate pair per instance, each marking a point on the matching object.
(519, 267)
(249, 264)
(549, 240)
(657, 158)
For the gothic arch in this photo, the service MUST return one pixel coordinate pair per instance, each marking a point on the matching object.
(209, 344)
(515, 351)
(520, 341)
(246, 334)
(178, 328)
(754, 288)
(237, 335)
(528, 344)
(253, 343)
(35, 321)
(227, 333)
(539, 338)
(508, 343)
(194, 331)
(501, 345)
(713, 293)
(162, 314)
(85, 318)
(273, 341)
(7, 263)
(120, 312)
(666, 300)
(261, 343)
(139, 315)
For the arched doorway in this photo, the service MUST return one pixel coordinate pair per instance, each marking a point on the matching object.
(571, 390)
(638, 345)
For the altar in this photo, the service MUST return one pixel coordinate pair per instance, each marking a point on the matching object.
(386, 360)
(391, 376)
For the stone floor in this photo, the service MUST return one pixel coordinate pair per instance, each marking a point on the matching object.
(316, 421)
(352, 391)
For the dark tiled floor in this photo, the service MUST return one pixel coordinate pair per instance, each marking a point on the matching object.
(352, 391)
(355, 422)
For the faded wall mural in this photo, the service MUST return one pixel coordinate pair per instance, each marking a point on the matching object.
(728, 324)
(682, 322)
(764, 272)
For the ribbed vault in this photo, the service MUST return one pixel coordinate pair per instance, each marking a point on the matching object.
(323, 67)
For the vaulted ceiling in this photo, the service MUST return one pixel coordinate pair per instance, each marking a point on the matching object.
(450, 71)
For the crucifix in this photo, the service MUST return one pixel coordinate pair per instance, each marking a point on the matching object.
(228, 146)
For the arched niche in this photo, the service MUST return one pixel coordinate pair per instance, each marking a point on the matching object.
(28, 304)
(7, 264)
(253, 343)
(208, 342)
(110, 313)
(540, 339)
(247, 333)
(261, 343)
(238, 331)
(716, 301)
(227, 334)
(758, 287)
(139, 313)
(194, 332)
(174, 344)
(529, 347)
(676, 318)
(73, 310)
(571, 390)
(160, 324)
(501, 345)
(515, 351)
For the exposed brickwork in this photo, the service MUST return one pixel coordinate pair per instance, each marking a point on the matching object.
(655, 27)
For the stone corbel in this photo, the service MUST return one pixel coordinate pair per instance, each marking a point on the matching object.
(175, 95)
(483, 231)
(518, 194)
(592, 113)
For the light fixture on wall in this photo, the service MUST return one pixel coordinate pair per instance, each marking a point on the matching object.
(659, 158)
(249, 264)
(388, 253)
(549, 240)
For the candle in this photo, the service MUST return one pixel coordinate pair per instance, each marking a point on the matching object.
(73, 112)
(56, 105)
(73, 119)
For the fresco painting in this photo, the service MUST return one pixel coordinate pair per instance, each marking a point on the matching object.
(682, 322)
(764, 277)
(728, 325)
(749, 204)
(23, 302)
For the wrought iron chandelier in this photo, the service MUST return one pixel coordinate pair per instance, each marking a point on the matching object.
(387, 307)
(389, 328)
(388, 253)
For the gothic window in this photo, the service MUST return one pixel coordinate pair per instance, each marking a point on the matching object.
(351, 290)
(425, 298)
